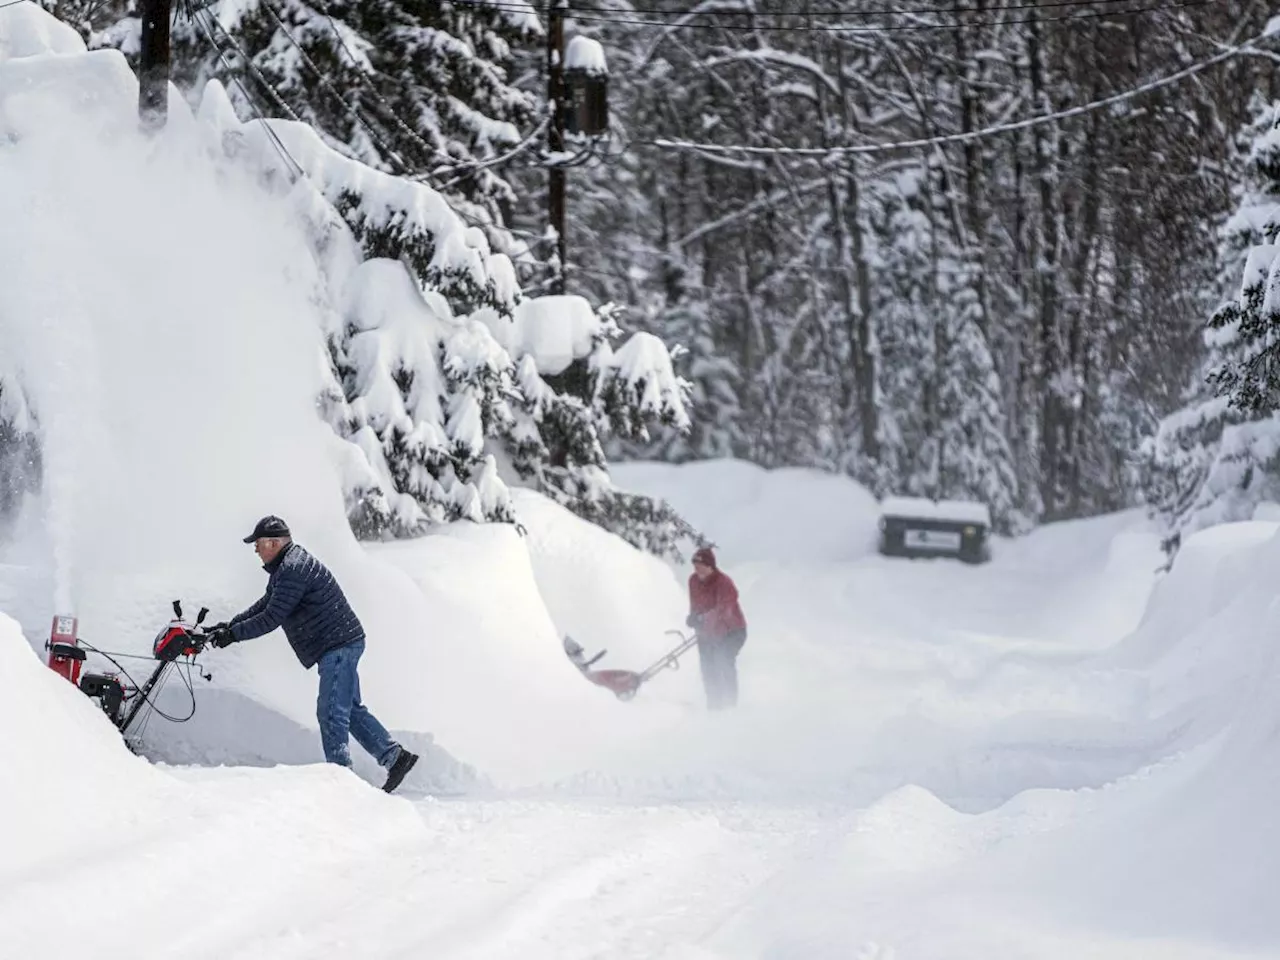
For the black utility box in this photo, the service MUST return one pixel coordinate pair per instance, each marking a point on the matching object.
(916, 527)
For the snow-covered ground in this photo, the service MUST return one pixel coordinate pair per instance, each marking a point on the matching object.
(1056, 755)
(1042, 757)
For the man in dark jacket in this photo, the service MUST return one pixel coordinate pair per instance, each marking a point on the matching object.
(715, 613)
(303, 597)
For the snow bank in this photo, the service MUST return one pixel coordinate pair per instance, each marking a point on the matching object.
(58, 750)
(173, 386)
(30, 32)
(84, 823)
(601, 592)
(756, 514)
(1185, 849)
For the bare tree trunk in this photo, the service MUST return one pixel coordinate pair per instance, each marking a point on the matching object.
(862, 326)
(970, 120)
(1051, 359)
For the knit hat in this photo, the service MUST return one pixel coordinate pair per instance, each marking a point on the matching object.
(705, 555)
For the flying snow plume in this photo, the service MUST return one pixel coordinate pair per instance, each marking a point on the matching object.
(160, 308)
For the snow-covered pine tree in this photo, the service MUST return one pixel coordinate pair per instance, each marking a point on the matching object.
(898, 220)
(975, 461)
(437, 356)
(421, 88)
(715, 432)
(577, 392)
(685, 321)
(1217, 457)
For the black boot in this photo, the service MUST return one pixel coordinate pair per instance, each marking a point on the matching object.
(400, 769)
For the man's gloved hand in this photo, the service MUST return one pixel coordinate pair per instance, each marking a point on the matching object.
(221, 636)
(693, 620)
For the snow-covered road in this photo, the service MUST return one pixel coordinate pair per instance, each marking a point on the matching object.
(916, 745)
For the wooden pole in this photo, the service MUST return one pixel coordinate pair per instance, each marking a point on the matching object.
(153, 64)
(556, 10)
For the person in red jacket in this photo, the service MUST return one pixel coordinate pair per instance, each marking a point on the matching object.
(715, 614)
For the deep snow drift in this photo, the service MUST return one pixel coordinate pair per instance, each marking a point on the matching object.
(174, 385)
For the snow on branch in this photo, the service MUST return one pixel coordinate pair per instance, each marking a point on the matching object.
(393, 217)
(640, 385)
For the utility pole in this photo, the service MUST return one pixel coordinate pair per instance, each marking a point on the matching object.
(556, 10)
(153, 64)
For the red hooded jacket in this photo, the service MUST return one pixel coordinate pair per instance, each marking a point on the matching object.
(716, 598)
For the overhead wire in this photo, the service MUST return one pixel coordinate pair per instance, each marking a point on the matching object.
(871, 30)
(275, 140)
(461, 170)
(325, 84)
(983, 133)
(713, 8)
(725, 149)
(427, 148)
(279, 145)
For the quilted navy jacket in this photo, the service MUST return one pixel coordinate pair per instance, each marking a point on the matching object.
(303, 597)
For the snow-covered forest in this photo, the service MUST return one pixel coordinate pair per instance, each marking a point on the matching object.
(866, 257)
(1005, 317)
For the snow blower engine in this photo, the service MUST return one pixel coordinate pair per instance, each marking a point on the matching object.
(121, 698)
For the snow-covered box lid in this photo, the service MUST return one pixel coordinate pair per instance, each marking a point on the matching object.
(957, 511)
(586, 55)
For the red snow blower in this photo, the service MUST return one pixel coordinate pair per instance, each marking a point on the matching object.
(625, 683)
(120, 697)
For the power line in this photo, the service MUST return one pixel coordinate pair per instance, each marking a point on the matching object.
(474, 167)
(280, 148)
(248, 63)
(275, 139)
(845, 28)
(468, 169)
(427, 148)
(713, 10)
(985, 132)
(14, 3)
(324, 82)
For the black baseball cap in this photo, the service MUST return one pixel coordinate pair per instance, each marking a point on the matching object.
(268, 527)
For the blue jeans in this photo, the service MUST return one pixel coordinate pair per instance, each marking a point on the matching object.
(341, 714)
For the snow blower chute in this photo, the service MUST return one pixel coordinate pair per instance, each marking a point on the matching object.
(121, 698)
(625, 683)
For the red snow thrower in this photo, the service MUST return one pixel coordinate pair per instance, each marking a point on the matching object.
(121, 698)
(624, 684)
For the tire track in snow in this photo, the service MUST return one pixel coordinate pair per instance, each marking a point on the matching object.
(493, 881)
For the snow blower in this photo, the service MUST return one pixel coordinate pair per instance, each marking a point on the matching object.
(121, 698)
(624, 684)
